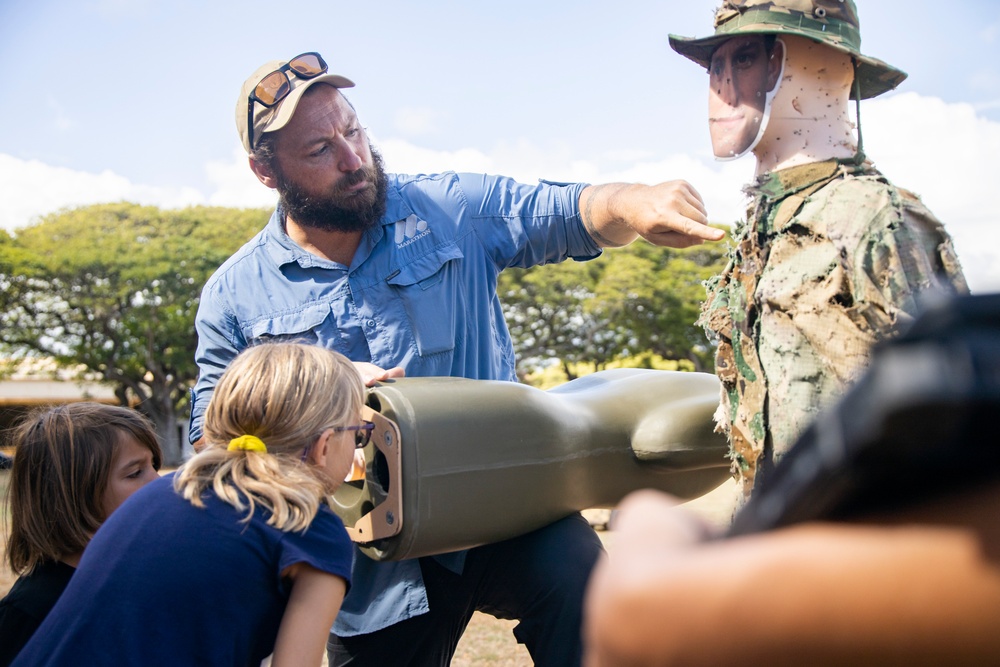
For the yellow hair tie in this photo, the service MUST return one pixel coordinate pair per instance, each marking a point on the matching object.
(247, 443)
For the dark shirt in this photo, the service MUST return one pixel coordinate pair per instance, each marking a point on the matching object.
(165, 583)
(27, 604)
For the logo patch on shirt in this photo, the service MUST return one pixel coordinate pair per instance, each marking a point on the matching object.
(409, 230)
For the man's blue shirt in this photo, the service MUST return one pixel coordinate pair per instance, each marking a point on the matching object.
(420, 293)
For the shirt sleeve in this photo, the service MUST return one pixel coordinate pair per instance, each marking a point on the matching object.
(325, 546)
(527, 225)
(219, 341)
(904, 251)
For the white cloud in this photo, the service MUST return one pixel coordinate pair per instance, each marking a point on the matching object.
(720, 184)
(944, 152)
(233, 184)
(32, 189)
(987, 106)
(947, 154)
(403, 157)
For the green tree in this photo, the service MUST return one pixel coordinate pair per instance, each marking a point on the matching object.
(633, 302)
(665, 301)
(545, 313)
(115, 288)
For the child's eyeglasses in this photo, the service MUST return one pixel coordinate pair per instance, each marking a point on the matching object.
(275, 86)
(362, 432)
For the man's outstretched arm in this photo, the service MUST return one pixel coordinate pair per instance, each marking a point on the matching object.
(668, 214)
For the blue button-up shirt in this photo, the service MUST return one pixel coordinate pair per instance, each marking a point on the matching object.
(420, 293)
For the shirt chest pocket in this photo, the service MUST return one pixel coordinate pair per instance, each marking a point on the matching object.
(433, 295)
(300, 326)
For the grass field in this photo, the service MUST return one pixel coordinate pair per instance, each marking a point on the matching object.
(487, 641)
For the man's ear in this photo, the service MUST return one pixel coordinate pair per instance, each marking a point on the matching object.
(774, 64)
(264, 173)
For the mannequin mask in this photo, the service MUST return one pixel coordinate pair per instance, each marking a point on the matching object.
(745, 73)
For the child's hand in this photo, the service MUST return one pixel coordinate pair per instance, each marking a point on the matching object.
(370, 373)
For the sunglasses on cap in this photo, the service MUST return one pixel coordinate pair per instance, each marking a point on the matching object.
(275, 87)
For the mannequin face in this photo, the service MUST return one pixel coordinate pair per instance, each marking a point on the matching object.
(741, 74)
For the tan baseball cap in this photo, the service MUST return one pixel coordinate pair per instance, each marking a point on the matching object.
(270, 119)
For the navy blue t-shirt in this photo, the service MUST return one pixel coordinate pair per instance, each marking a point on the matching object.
(166, 583)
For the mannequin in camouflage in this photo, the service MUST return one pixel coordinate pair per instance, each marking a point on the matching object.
(832, 257)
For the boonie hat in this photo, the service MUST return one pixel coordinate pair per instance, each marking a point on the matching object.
(831, 22)
(270, 119)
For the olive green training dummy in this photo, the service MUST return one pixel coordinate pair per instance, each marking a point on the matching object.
(454, 463)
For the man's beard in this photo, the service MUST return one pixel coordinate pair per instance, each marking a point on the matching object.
(339, 210)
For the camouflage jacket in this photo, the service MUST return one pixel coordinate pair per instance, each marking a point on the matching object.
(830, 260)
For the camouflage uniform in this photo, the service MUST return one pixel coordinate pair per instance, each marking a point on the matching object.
(830, 260)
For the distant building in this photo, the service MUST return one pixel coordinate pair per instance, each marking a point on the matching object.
(33, 382)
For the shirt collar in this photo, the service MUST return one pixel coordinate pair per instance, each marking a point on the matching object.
(395, 208)
(784, 182)
(779, 184)
(283, 250)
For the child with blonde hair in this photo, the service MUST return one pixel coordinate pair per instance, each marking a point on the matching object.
(237, 555)
(74, 465)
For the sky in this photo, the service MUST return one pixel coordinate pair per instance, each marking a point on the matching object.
(134, 100)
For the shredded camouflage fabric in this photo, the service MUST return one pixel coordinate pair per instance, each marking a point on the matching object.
(830, 260)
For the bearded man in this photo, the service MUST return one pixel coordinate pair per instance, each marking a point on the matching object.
(399, 274)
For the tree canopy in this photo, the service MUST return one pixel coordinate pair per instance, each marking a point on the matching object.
(632, 302)
(115, 288)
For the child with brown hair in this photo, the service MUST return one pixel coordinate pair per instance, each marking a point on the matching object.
(73, 466)
(237, 555)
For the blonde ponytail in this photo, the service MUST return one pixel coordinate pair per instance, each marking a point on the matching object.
(283, 395)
